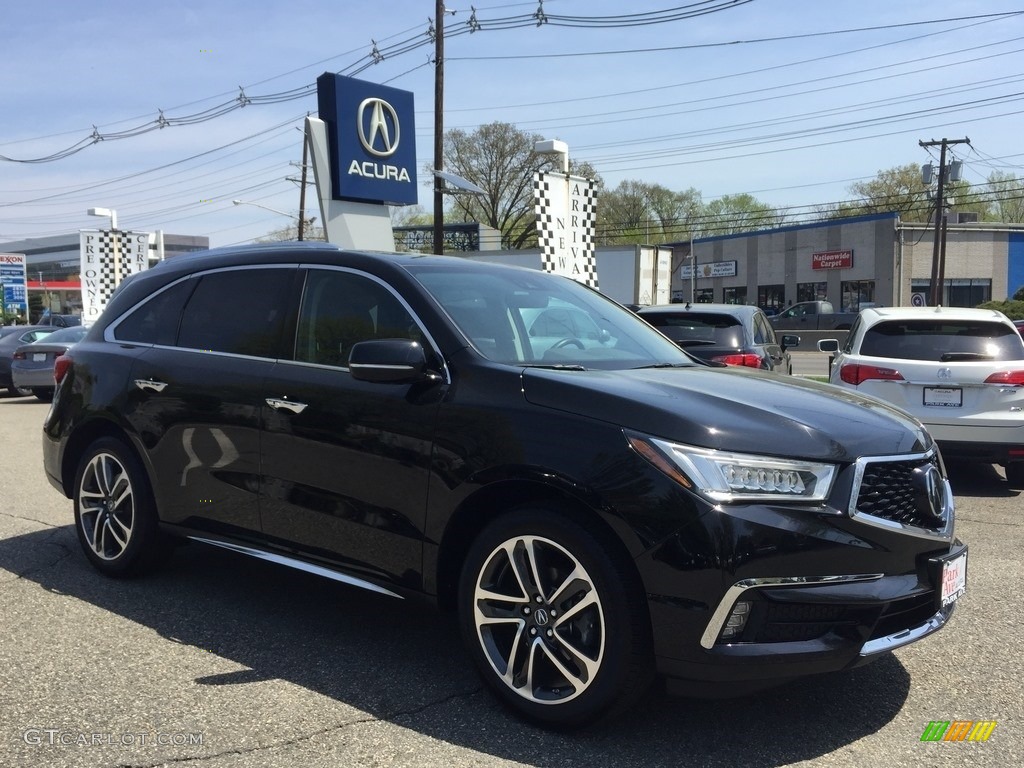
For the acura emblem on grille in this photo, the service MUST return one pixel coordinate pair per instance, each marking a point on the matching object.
(930, 491)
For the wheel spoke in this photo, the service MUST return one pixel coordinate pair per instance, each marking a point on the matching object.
(590, 665)
(558, 596)
(513, 654)
(523, 571)
(577, 680)
(95, 539)
(529, 546)
(113, 533)
(588, 600)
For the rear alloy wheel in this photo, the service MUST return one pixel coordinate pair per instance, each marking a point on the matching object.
(114, 513)
(556, 624)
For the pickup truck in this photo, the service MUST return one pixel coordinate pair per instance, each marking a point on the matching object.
(812, 316)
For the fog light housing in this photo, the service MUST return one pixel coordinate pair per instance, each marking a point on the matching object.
(737, 621)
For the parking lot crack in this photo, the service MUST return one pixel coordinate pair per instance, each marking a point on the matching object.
(338, 727)
(31, 520)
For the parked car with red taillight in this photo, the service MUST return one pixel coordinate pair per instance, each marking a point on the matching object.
(32, 367)
(12, 337)
(959, 371)
(734, 334)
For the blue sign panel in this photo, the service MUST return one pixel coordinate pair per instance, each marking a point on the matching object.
(371, 133)
(12, 278)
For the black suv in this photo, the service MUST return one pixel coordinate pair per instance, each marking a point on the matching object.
(595, 507)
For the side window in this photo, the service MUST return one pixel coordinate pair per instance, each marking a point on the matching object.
(340, 309)
(156, 321)
(762, 334)
(240, 311)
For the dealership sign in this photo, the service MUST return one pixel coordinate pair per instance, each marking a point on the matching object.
(832, 260)
(12, 278)
(565, 207)
(371, 135)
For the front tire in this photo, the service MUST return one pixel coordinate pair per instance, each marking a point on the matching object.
(115, 516)
(555, 619)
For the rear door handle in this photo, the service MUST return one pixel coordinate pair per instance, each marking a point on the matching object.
(285, 405)
(153, 386)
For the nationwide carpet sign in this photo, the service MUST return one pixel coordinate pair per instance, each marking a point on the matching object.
(108, 257)
(565, 207)
(832, 260)
(12, 278)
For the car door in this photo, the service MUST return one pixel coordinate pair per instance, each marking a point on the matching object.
(196, 394)
(345, 462)
(765, 337)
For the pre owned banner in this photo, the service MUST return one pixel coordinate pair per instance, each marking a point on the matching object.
(565, 207)
(108, 257)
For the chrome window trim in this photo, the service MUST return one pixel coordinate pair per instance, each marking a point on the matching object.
(945, 534)
(390, 289)
(300, 565)
(110, 330)
(732, 595)
(907, 636)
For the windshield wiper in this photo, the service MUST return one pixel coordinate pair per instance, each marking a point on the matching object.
(949, 357)
(556, 366)
(662, 365)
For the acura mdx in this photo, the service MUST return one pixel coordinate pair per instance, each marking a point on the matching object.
(595, 506)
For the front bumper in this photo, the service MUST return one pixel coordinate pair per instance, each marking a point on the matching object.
(766, 593)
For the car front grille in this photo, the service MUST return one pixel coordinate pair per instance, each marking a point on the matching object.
(903, 492)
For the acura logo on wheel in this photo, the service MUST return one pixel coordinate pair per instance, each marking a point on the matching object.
(379, 130)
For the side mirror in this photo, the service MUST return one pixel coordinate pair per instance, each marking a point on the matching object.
(790, 340)
(388, 361)
(828, 345)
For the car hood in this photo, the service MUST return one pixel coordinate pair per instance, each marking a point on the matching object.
(733, 409)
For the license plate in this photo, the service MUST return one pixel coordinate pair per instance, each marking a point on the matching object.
(954, 579)
(944, 397)
(38, 357)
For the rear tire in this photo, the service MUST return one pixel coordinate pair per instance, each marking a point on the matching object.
(1015, 474)
(555, 619)
(43, 393)
(115, 515)
(18, 391)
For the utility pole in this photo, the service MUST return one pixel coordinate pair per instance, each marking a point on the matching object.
(302, 183)
(438, 125)
(938, 277)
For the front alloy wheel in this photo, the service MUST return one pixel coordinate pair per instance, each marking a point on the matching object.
(554, 614)
(539, 619)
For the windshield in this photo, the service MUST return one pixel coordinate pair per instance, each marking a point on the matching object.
(65, 335)
(942, 340)
(529, 317)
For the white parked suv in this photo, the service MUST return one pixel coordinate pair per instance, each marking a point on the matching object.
(960, 371)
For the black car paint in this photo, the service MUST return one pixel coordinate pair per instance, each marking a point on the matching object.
(432, 461)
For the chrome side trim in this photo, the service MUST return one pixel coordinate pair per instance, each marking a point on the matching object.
(944, 534)
(907, 636)
(280, 404)
(155, 386)
(299, 565)
(732, 594)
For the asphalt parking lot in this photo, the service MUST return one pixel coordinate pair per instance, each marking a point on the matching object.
(221, 660)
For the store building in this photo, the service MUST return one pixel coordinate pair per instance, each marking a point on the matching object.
(52, 265)
(876, 259)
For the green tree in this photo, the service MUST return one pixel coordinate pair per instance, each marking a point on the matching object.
(898, 189)
(499, 158)
(1005, 193)
(638, 212)
(291, 232)
(730, 214)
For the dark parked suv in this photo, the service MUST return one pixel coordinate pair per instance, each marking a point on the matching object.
(594, 508)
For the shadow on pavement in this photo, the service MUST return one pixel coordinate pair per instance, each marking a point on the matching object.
(403, 662)
(976, 479)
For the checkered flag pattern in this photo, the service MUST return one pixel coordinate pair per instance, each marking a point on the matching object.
(565, 209)
(106, 281)
(100, 278)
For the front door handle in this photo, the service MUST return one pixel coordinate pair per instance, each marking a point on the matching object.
(153, 386)
(285, 405)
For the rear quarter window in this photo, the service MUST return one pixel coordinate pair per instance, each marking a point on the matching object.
(942, 341)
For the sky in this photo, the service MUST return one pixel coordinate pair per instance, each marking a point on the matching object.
(791, 101)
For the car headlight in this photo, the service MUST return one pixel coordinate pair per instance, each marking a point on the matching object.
(723, 476)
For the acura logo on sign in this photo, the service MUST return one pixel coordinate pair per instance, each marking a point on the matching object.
(379, 130)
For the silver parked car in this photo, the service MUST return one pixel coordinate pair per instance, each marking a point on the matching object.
(32, 366)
